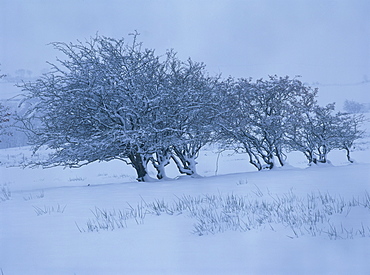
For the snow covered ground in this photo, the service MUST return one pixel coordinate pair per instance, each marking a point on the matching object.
(98, 220)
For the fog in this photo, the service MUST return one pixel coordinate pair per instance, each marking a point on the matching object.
(326, 42)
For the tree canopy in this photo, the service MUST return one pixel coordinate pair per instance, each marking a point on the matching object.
(112, 99)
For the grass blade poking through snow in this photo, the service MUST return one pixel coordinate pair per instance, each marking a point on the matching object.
(313, 215)
(5, 193)
(49, 209)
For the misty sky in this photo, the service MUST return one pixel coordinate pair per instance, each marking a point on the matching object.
(327, 42)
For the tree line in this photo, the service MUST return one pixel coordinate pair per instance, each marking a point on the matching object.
(109, 99)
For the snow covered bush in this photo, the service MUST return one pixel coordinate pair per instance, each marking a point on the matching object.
(192, 110)
(115, 100)
(268, 118)
(318, 131)
(257, 115)
(96, 107)
(354, 107)
(4, 118)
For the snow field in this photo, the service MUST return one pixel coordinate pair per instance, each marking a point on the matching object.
(45, 216)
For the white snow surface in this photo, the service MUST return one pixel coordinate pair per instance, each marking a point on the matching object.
(43, 211)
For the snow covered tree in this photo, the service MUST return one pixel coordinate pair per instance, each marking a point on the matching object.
(113, 100)
(260, 113)
(354, 107)
(4, 118)
(313, 133)
(235, 122)
(181, 122)
(348, 130)
(192, 109)
(97, 104)
(318, 131)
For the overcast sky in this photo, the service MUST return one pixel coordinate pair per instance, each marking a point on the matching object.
(324, 41)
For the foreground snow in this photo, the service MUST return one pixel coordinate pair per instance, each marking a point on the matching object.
(45, 217)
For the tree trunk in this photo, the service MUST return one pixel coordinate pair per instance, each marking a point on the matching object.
(270, 164)
(185, 162)
(182, 165)
(139, 162)
(253, 159)
(280, 156)
(267, 155)
(163, 158)
(309, 155)
(322, 154)
(348, 155)
(268, 160)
